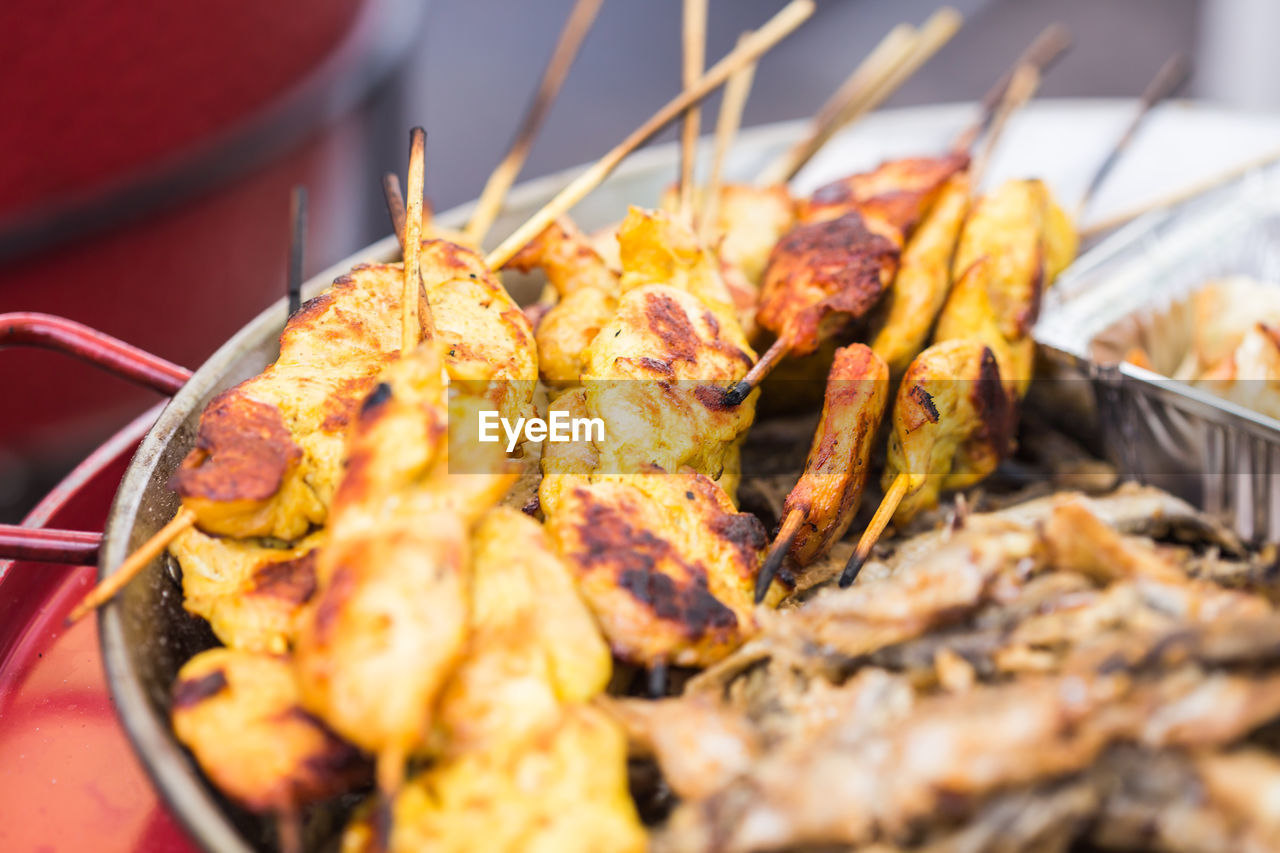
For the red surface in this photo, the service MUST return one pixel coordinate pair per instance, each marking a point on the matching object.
(95, 90)
(69, 780)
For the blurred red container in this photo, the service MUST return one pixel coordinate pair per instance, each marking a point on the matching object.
(145, 164)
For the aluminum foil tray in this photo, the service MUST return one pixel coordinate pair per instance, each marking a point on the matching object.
(1131, 290)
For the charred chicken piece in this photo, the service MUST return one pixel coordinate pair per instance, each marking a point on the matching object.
(250, 594)
(388, 624)
(821, 506)
(952, 423)
(240, 715)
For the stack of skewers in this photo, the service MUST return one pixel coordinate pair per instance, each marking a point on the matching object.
(391, 618)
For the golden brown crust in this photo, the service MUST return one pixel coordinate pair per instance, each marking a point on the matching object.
(238, 712)
(829, 491)
(894, 197)
(665, 587)
(243, 452)
(832, 270)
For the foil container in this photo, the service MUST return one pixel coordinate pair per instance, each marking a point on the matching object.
(1134, 289)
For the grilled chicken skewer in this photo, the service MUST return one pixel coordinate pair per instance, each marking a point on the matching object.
(821, 506)
(517, 705)
(804, 309)
(645, 520)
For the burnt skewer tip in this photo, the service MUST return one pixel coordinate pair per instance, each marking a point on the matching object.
(852, 568)
(657, 680)
(297, 243)
(787, 533)
(738, 392)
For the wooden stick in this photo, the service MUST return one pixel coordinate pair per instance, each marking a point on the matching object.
(932, 35)
(893, 50)
(1168, 79)
(395, 204)
(1046, 49)
(499, 184)
(297, 243)
(1177, 197)
(778, 27)
(694, 34)
(743, 387)
(133, 564)
(781, 545)
(879, 521)
(732, 103)
(411, 324)
(1026, 79)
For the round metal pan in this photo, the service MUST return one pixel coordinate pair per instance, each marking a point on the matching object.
(146, 635)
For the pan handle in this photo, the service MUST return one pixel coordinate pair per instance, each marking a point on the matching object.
(111, 354)
(28, 328)
(41, 545)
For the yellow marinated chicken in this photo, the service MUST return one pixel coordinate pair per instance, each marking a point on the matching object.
(250, 594)
(919, 290)
(388, 623)
(749, 222)
(586, 295)
(821, 506)
(665, 562)
(892, 198)
(1013, 242)
(561, 789)
(268, 452)
(534, 646)
(239, 714)
(952, 423)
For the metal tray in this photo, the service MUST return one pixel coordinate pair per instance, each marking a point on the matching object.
(1219, 455)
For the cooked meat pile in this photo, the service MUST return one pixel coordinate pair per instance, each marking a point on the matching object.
(1020, 680)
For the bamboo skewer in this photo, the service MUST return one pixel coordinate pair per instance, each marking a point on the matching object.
(135, 563)
(694, 33)
(892, 50)
(1022, 86)
(787, 533)
(297, 241)
(411, 324)
(1046, 49)
(879, 521)
(500, 181)
(1168, 80)
(395, 204)
(732, 103)
(777, 28)
(1177, 197)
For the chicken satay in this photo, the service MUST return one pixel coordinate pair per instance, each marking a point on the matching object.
(821, 506)
(952, 423)
(268, 452)
(1011, 246)
(240, 715)
(388, 623)
(920, 288)
(583, 296)
(249, 594)
(664, 561)
(533, 646)
(832, 269)
(562, 789)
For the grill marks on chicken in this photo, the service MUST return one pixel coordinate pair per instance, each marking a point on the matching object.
(512, 720)
(268, 451)
(644, 518)
(240, 714)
